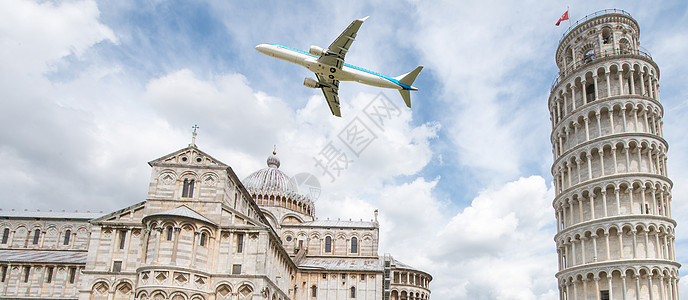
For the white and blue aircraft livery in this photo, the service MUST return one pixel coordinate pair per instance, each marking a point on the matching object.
(329, 68)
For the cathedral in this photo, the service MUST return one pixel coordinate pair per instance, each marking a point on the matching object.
(202, 233)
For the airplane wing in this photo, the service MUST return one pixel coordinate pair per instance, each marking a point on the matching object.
(330, 89)
(338, 48)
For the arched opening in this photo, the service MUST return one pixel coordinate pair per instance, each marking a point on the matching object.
(187, 189)
(624, 46)
(67, 236)
(204, 237)
(169, 233)
(5, 235)
(606, 36)
(328, 244)
(590, 93)
(589, 56)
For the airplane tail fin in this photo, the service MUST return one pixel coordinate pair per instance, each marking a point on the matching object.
(408, 79)
(406, 94)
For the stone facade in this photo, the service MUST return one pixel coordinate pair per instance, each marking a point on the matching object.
(615, 234)
(202, 234)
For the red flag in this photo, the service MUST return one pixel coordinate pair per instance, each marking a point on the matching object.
(564, 17)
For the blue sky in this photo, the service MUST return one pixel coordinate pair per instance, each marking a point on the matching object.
(92, 90)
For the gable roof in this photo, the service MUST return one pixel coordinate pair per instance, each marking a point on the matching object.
(182, 211)
(115, 214)
(189, 156)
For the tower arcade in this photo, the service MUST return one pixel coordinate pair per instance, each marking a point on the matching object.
(615, 232)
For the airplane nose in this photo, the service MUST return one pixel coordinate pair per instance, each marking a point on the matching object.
(262, 48)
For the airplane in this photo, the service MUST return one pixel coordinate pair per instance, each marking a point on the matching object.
(329, 68)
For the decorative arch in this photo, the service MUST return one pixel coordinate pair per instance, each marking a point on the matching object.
(100, 290)
(223, 291)
(123, 290)
(245, 291)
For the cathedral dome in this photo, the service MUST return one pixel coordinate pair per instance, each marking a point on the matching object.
(270, 180)
(273, 190)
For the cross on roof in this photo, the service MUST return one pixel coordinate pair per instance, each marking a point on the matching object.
(193, 137)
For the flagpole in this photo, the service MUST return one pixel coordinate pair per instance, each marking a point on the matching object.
(569, 11)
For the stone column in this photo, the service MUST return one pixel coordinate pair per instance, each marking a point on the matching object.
(587, 128)
(571, 211)
(622, 111)
(194, 248)
(568, 172)
(583, 260)
(630, 197)
(604, 202)
(601, 154)
(666, 247)
(623, 286)
(606, 239)
(619, 234)
(597, 287)
(158, 241)
(616, 169)
(606, 78)
(580, 210)
(177, 231)
(637, 286)
(627, 150)
(591, 196)
(594, 246)
(144, 245)
(657, 245)
(618, 201)
(588, 156)
(635, 242)
(643, 210)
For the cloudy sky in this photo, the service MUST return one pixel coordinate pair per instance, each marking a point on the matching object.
(91, 91)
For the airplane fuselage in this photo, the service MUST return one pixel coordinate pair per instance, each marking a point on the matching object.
(346, 73)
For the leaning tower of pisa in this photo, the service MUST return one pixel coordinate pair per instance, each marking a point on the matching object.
(615, 233)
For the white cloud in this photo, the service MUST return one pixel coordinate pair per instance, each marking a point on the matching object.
(485, 71)
(506, 232)
(36, 34)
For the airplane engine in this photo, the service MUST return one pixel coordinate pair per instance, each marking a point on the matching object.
(311, 83)
(317, 51)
